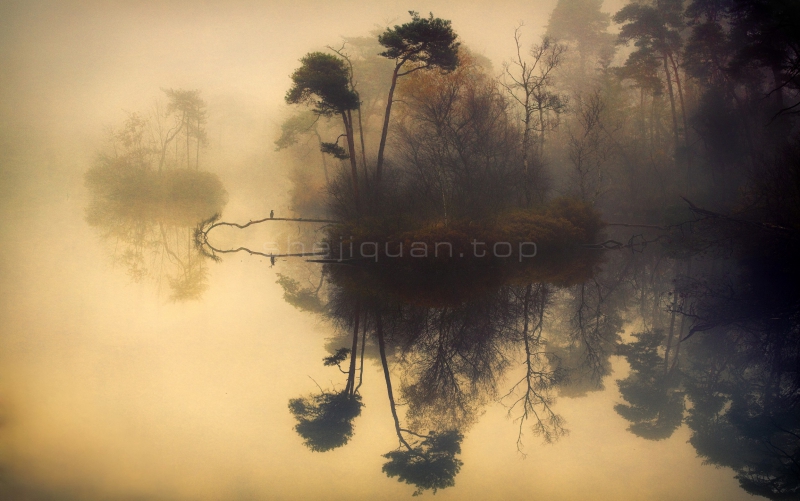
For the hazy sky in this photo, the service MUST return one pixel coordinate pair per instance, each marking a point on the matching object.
(90, 53)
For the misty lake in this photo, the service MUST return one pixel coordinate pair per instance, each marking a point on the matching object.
(306, 250)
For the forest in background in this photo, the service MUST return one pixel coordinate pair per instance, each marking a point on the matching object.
(679, 131)
(701, 105)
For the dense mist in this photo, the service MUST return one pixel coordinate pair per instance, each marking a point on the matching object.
(324, 250)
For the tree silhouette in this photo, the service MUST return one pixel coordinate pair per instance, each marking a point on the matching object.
(457, 142)
(325, 420)
(655, 30)
(426, 464)
(531, 396)
(582, 23)
(323, 82)
(587, 324)
(744, 413)
(425, 43)
(298, 125)
(766, 32)
(190, 111)
(431, 464)
(531, 87)
(655, 407)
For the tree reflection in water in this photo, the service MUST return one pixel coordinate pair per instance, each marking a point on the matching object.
(734, 364)
(451, 358)
(146, 197)
(734, 384)
(150, 217)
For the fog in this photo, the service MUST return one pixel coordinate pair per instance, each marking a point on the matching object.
(156, 341)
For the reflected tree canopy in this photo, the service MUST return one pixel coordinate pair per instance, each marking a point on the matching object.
(734, 384)
(452, 359)
(431, 464)
(732, 376)
(325, 420)
(655, 406)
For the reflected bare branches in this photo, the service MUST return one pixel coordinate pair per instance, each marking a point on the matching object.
(531, 398)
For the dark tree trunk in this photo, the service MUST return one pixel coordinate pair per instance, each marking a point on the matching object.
(164, 147)
(685, 123)
(385, 131)
(351, 373)
(385, 364)
(348, 126)
(671, 101)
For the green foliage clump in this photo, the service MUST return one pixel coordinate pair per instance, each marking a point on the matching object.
(430, 41)
(322, 81)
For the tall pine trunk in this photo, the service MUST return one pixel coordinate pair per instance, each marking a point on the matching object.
(385, 130)
(188, 159)
(197, 150)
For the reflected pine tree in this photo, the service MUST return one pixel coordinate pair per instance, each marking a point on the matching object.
(425, 461)
(429, 464)
(452, 357)
(744, 412)
(325, 420)
(655, 404)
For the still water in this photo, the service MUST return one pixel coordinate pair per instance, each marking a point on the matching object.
(134, 367)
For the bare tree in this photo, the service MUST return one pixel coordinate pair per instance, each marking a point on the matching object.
(589, 147)
(533, 390)
(528, 81)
